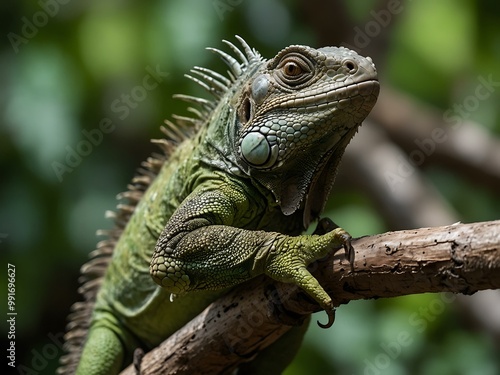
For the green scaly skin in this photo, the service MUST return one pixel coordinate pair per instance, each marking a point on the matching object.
(230, 203)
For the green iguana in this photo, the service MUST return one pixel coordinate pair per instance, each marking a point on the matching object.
(228, 200)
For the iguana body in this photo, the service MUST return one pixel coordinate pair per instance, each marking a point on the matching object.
(229, 203)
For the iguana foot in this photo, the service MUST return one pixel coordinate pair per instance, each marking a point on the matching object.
(289, 257)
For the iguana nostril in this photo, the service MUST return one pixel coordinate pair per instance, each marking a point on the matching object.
(351, 66)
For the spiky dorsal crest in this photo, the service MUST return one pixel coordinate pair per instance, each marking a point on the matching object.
(92, 272)
(247, 57)
(215, 83)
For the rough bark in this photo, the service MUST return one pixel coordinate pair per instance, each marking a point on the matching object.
(461, 258)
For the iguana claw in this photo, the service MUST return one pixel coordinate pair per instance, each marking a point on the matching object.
(138, 355)
(331, 319)
(324, 226)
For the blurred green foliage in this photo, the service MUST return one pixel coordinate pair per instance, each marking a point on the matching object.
(78, 65)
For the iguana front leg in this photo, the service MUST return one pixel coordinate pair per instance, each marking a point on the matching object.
(203, 247)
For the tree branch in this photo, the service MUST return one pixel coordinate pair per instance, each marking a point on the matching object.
(461, 258)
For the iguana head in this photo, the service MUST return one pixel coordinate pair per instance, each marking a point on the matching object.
(286, 122)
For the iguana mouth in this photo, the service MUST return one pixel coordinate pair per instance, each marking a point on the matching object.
(340, 97)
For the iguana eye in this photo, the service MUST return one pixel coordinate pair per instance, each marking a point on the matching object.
(294, 69)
